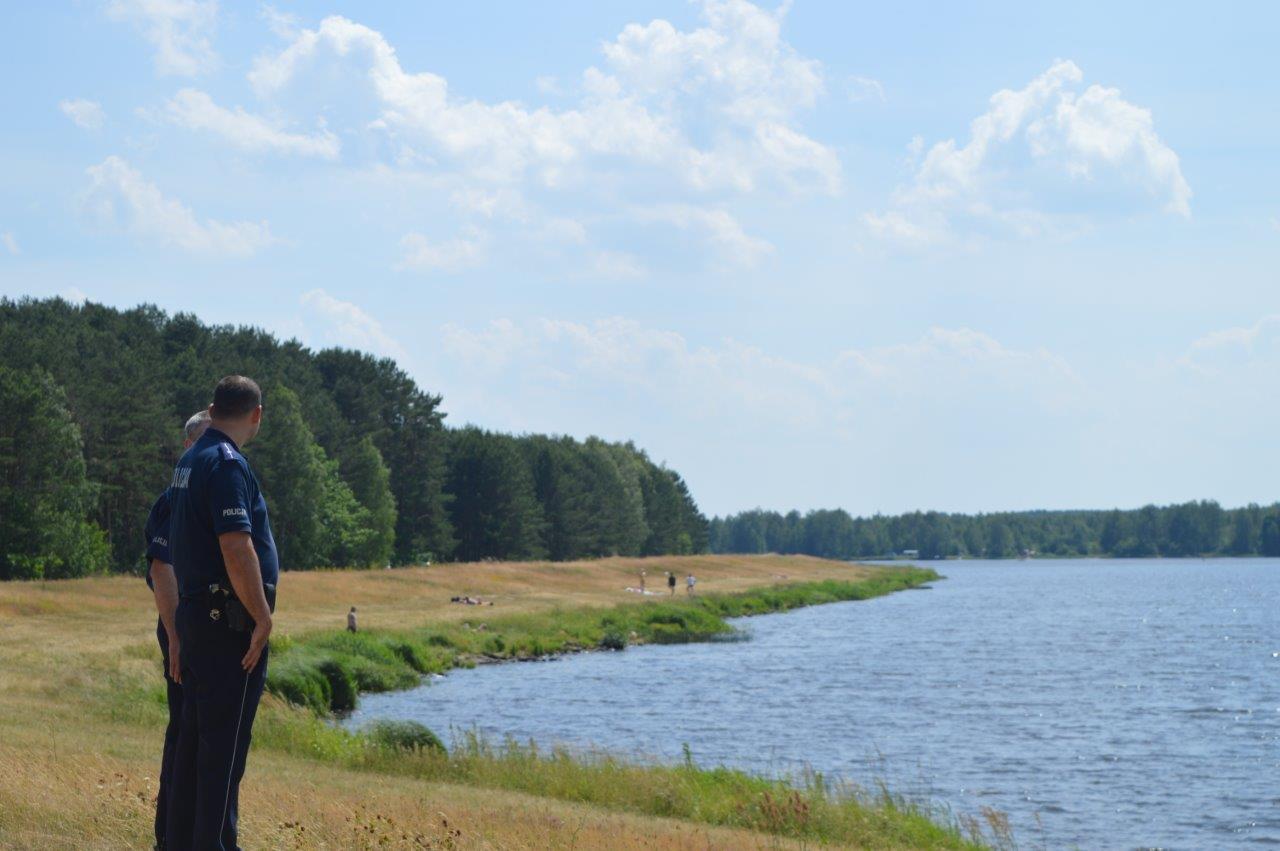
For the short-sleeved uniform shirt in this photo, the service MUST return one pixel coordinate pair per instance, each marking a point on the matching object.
(157, 533)
(214, 492)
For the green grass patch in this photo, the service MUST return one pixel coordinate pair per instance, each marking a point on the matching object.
(404, 736)
(811, 808)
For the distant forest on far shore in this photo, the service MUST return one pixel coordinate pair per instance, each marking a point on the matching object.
(1188, 529)
(355, 460)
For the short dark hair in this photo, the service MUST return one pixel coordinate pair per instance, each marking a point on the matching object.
(235, 397)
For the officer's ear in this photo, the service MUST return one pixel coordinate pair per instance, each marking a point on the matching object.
(256, 416)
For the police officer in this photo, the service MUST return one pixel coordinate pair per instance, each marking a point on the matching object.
(164, 587)
(226, 565)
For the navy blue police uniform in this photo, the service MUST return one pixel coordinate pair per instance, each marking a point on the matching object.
(157, 533)
(214, 492)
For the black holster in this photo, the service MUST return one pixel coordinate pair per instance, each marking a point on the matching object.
(238, 617)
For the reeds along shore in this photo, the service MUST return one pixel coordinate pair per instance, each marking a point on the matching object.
(81, 714)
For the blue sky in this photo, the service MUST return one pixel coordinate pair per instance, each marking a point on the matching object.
(881, 256)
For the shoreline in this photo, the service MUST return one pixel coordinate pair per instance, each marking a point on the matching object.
(328, 670)
(732, 635)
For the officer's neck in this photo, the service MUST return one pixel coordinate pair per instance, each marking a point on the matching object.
(240, 431)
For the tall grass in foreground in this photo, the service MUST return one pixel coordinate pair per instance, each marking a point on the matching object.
(326, 671)
(811, 808)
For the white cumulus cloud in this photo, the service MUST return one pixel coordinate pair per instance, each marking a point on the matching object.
(866, 89)
(87, 114)
(955, 361)
(693, 117)
(1047, 139)
(351, 326)
(1226, 380)
(285, 25)
(179, 30)
(656, 79)
(195, 110)
(452, 255)
(902, 229)
(617, 264)
(119, 195)
(857, 388)
(738, 60)
(1243, 337)
(717, 226)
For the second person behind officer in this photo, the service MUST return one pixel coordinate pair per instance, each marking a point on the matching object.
(225, 560)
(164, 588)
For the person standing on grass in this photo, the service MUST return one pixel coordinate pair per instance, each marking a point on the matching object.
(164, 587)
(226, 564)
(643, 573)
(351, 620)
(671, 583)
(689, 582)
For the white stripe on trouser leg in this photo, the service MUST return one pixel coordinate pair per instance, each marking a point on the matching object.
(235, 747)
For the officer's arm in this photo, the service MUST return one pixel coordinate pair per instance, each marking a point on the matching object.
(245, 573)
(165, 587)
(246, 578)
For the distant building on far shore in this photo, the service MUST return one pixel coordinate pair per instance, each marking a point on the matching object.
(911, 554)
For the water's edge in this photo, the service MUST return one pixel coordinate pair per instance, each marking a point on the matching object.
(328, 671)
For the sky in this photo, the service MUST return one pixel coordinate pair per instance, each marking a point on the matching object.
(963, 257)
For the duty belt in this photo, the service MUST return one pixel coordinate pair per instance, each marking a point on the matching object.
(222, 602)
(230, 593)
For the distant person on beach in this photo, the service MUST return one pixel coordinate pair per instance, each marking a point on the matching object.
(689, 582)
(351, 620)
(164, 587)
(671, 583)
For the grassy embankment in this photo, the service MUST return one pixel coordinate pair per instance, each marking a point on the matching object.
(81, 710)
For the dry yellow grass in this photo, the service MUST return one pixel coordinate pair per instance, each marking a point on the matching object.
(55, 796)
(77, 770)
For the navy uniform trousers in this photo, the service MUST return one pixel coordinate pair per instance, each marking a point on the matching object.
(174, 694)
(219, 701)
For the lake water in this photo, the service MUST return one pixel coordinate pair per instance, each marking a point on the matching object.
(1107, 704)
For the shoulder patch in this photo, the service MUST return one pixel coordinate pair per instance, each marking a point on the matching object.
(227, 451)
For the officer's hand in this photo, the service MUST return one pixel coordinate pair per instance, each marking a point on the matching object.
(175, 665)
(261, 632)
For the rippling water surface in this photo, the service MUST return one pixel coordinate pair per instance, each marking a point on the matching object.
(1108, 704)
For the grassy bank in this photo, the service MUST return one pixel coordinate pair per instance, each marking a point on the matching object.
(808, 810)
(81, 713)
(325, 671)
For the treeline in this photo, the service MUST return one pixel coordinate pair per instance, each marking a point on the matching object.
(1189, 529)
(355, 460)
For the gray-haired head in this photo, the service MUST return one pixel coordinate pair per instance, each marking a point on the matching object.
(195, 426)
